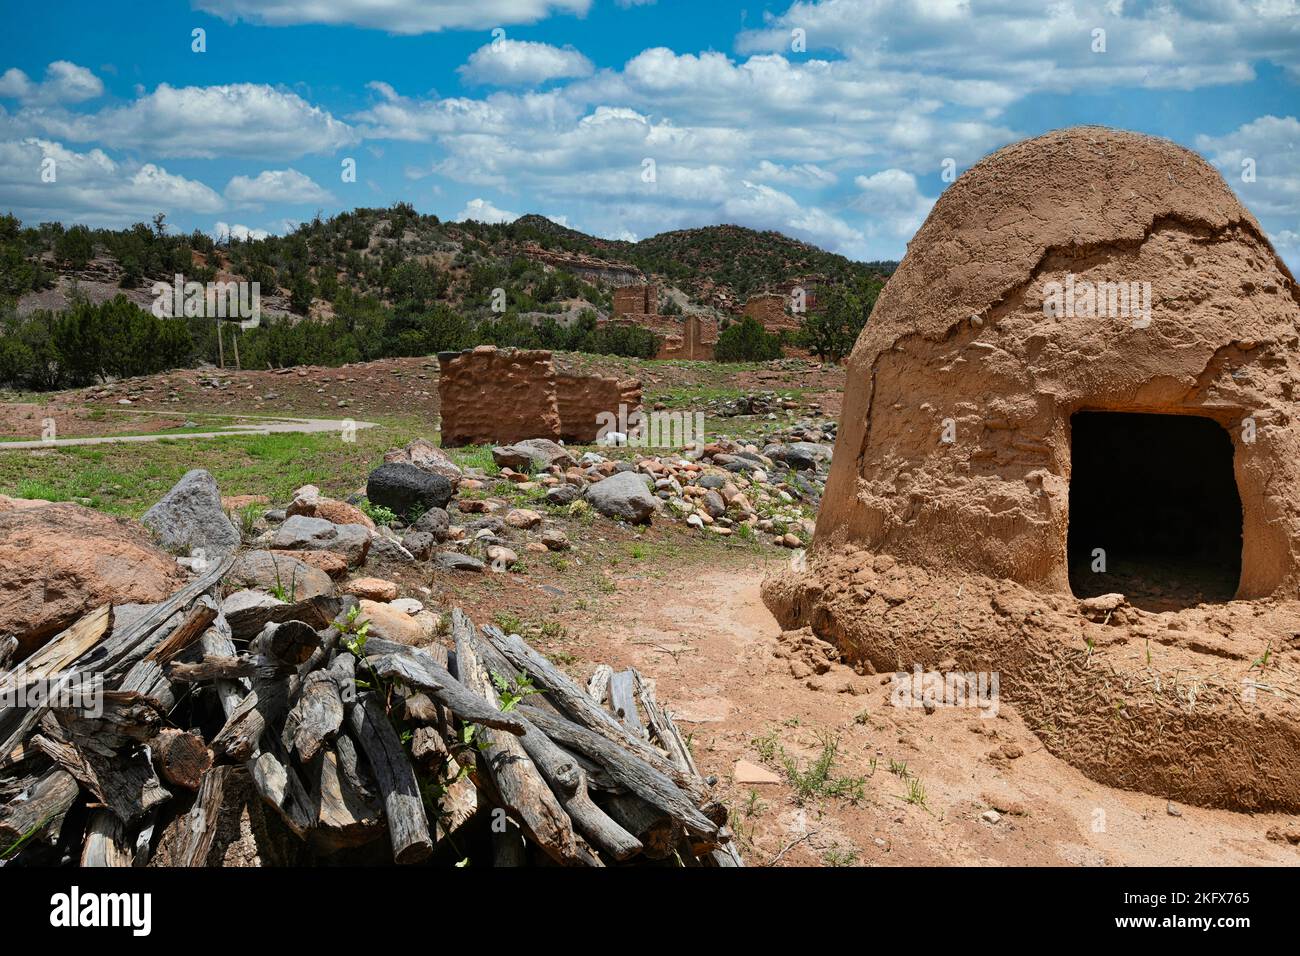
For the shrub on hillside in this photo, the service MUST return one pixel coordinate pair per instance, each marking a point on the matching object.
(747, 341)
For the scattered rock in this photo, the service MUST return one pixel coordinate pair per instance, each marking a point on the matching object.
(426, 456)
(404, 488)
(990, 816)
(390, 624)
(532, 454)
(335, 565)
(60, 561)
(554, 539)
(352, 541)
(436, 522)
(421, 544)
(563, 494)
(751, 773)
(523, 518)
(625, 495)
(190, 518)
(454, 561)
(373, 589)
(271, 572)
(499, 556)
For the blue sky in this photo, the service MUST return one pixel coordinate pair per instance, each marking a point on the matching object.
(831, 121)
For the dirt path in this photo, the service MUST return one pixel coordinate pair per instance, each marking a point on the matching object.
(711, 645)
(256, 425)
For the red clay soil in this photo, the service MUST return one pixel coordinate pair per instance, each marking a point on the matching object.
(721, 662)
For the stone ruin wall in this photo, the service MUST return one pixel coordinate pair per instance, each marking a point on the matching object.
(490, 395)
(498, 396)
(583, 398)
(769, 309)
(636, 300)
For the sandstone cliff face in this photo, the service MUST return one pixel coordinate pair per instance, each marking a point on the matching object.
(959, 346)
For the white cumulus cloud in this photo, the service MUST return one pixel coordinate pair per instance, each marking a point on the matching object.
(64, 83)
(276, 186)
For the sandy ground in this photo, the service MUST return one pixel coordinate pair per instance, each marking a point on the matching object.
(709, 642)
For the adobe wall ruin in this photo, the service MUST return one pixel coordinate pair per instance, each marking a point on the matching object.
(770, 309)
(498, 396)
(636, 300)
(943, 533)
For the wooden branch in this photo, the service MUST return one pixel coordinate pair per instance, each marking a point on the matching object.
(580, 708)
(347, 816)
(502, 757)
(445, 689)
(408, 827)
(622, 701)
(637, 775)
(105, 843)
(598, 685)
(212, 668)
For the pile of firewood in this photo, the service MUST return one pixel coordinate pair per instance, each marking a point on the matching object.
(285, 734)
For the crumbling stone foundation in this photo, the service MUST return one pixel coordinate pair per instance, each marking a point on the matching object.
(499, 396)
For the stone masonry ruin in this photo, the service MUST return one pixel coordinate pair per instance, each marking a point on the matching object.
(499, 396)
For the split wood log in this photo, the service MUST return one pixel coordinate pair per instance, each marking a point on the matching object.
(567, 780)
(124, 783)
(196, 832)
(8, 647)
(408, 827)
(63, 649)
(317, 612)
(523, 791)
(651, 825)
(45, 799)
(105, 842)
(201, 614)
(647, 782)
(622, 701)
(348, 818)
(318, 715)
(211, 669)
(598, 684)
(182, 758)
(580, 708)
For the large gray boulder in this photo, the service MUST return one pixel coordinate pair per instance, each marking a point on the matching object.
(532, 453)
(189, 518)
(300, 533)
(626, 496)
(403, 489)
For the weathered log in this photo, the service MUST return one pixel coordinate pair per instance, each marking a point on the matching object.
(408, 827)
(566, 778)
(212, 668)
(580, 708)
(62, 649)
(182, 758)
(524, 792)
(598, 683)
(647, 782)
(347, 817)
(38, 811)
(445, 689)
(318, 715)
(652, 826)
(281, 648)
(105, 843)
(8, 646)
(317, 612)
(201, 614)
(124, 783)
(622, 701)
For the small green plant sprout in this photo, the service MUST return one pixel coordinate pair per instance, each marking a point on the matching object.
(1263, 660)
(916, 794)
(278, 590)
(355, 630)
(512, 692)
(379, 514)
